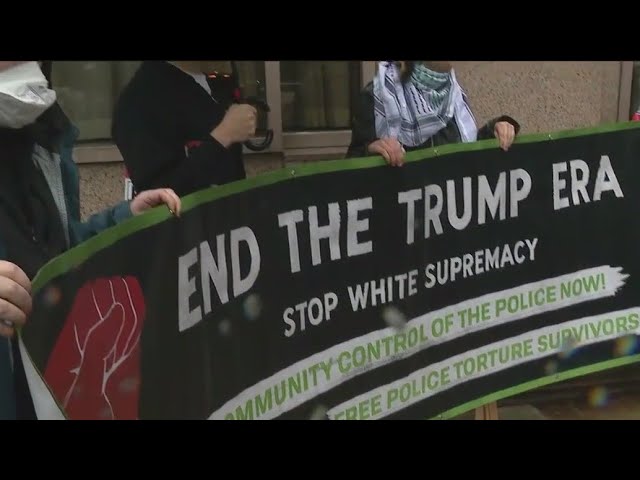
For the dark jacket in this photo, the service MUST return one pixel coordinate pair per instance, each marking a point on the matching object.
(162, 124)
(364, 128)
(31, 231)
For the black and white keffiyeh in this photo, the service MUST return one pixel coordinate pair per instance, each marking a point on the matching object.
(415, 110)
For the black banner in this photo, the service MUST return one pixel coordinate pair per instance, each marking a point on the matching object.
(352, 290)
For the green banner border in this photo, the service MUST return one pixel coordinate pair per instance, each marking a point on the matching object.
(82, 252)
(77, 255)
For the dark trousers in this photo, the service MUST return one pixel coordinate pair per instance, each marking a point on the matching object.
(7, 390)
(24, 402)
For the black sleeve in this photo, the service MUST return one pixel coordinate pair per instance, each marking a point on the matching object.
(363, 126)
(487, 131)
(156, 114)
(152, 165)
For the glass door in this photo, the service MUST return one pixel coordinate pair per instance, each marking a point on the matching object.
(635, 92)
(317, 99)
(88, 90)
(311, 102)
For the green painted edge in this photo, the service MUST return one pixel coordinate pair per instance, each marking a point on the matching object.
(540, 382)
(80, 253)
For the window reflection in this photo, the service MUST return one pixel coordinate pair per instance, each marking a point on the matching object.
(317, 95)
(635, 92)
(87, 92)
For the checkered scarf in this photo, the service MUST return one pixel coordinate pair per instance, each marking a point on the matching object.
(416, 110)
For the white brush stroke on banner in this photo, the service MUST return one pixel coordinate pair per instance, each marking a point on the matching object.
(263, 392)
(533, 336)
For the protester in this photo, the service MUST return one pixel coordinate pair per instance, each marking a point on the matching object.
(173, 130)
(39, 209)
(414, 105)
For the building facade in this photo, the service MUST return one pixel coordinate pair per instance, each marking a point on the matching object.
(311, 106)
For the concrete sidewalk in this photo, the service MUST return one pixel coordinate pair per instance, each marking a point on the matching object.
(607, 395)
(621, 407)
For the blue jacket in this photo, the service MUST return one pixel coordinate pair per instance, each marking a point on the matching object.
(78, 232)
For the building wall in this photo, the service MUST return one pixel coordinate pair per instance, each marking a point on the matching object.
(542, 96)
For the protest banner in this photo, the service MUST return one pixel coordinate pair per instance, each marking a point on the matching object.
(352, 290)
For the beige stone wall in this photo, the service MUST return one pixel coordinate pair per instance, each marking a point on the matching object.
(102, 185)
(542, 96)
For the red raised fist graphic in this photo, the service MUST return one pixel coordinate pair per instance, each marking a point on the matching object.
(94, 369)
